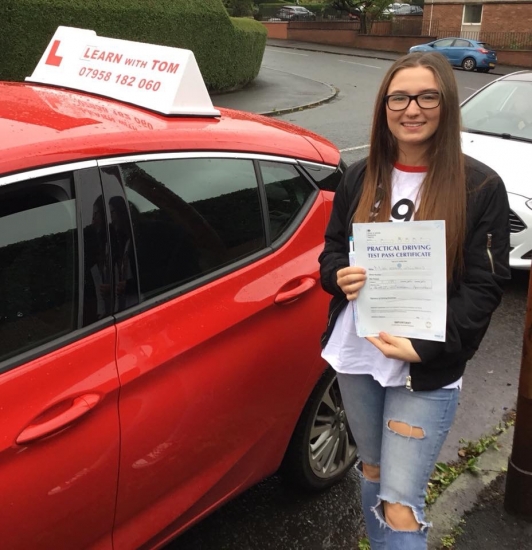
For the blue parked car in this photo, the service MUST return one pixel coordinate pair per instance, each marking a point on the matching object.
(462, 52)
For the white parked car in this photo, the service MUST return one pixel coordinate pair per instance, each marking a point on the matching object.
(497, 130)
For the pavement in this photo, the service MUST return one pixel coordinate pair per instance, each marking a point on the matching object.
(469, 514)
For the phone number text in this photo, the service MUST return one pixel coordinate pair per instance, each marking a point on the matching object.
(120, 79)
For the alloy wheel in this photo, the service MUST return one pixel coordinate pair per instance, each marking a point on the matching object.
(469, 64)
(331, 446)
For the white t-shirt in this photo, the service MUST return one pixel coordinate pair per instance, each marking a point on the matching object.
(345, 351)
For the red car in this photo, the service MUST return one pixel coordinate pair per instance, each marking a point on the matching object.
(160, 316)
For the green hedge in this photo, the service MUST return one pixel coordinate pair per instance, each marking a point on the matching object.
(229, 51)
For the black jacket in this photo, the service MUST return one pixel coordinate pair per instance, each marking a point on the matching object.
(472, 296)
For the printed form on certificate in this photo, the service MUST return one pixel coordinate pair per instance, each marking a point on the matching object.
(406, 288)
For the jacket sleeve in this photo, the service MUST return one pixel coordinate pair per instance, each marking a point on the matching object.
(472, 300)
(335, 254)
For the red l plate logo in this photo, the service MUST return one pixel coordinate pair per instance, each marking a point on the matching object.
(54, 59)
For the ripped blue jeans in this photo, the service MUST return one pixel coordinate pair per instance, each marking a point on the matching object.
(406, 461)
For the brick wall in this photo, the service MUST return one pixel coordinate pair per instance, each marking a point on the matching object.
(324, 36)
(507, 18)
(277, 29)
(515, 58)
(447, 17)
(354, 40)
(400, 44)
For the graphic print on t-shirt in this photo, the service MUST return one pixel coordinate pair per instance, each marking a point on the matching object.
(403, 210)
(406, 185)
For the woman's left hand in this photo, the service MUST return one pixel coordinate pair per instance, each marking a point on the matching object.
(395, 347)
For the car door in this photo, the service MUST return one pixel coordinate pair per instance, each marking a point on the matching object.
(460, 50)
(444, 47)
(216, 364)
(58, 376)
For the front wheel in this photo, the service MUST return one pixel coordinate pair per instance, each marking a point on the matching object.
(469, 64)
(322, 448)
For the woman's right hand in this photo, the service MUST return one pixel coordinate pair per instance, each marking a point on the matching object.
(351, 280)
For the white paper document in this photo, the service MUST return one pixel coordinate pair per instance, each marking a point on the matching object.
(406, 288)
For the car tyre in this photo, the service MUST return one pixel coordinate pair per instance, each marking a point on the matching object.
(322, 448)
(469, 64)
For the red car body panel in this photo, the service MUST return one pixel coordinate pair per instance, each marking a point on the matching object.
(60, 487)
(46, 126)
(209, 351)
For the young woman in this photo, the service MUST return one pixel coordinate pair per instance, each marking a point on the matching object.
(401, 394)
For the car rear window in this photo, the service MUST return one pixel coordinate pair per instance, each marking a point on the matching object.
(485, 45)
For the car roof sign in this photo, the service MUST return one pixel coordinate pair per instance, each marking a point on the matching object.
(160, 78)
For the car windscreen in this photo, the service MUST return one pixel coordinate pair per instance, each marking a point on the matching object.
(486, 46)
(504, 107)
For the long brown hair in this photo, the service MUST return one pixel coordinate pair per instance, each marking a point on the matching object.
(443, 192)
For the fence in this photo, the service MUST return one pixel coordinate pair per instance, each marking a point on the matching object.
(497, 40)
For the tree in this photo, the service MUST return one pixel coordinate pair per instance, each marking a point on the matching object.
(366, 10)
(241, 8)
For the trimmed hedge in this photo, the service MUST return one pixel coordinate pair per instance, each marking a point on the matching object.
(229, 51)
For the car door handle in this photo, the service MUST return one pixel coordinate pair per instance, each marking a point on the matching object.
(80, 405)
(306, 283)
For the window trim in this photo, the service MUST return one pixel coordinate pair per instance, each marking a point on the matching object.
(263, 204)
(192, 155)
(48, 171)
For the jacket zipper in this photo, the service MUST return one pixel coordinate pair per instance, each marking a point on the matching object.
(409, 383)
(490, 256)
(333, 312)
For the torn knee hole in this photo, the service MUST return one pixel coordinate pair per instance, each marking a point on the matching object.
(402, 428)
(400, 517)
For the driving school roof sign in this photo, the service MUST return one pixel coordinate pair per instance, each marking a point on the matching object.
(160, 78)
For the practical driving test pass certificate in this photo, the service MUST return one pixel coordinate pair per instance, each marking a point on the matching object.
(406, 288)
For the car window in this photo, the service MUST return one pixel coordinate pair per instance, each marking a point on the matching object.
(502, 107)
(485, 45)
(445, 43)
(327, 178)
(38, 263)
(286, 192)
(461, 44)
(190, 217)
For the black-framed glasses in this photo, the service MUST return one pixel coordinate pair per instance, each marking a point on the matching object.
(400, 102)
